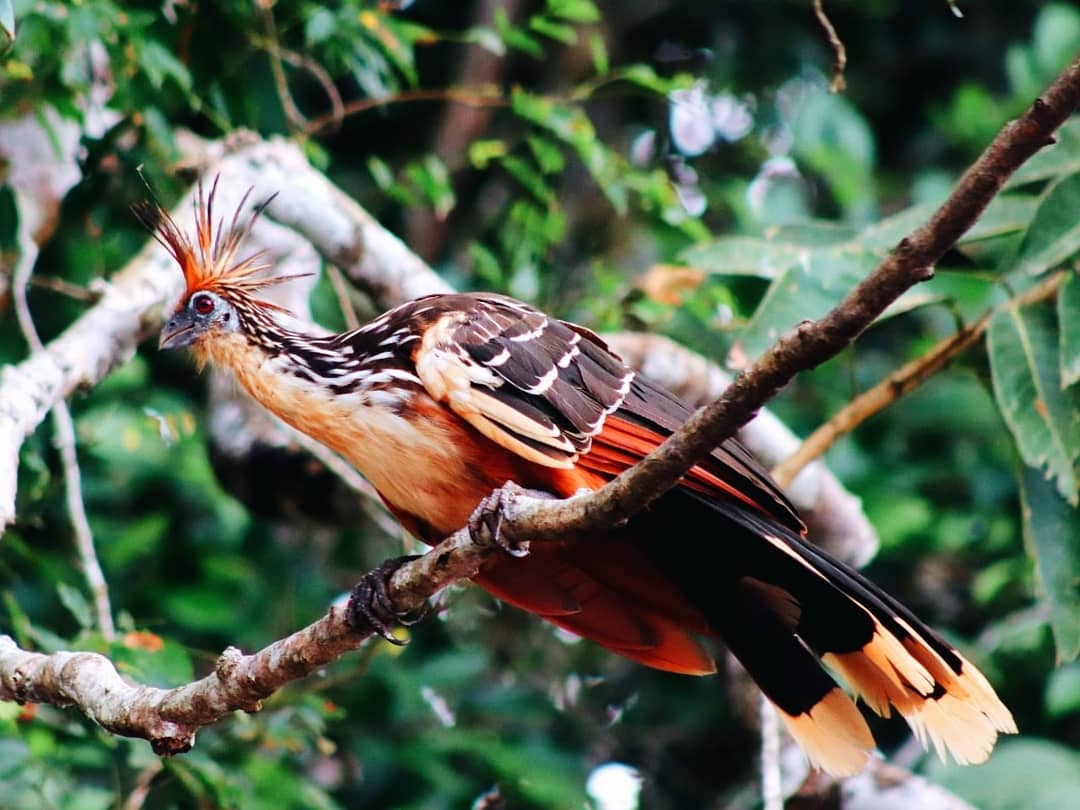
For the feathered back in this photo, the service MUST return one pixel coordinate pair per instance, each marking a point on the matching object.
(210, 263)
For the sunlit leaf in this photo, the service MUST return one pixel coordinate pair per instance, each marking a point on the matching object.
(486, 38)
(1054, 233)
(1044, 419)
(1052, 534)
(560, 32)
(515, 37)
(579, 11)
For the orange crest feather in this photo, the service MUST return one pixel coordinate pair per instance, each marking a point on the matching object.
(210, 262)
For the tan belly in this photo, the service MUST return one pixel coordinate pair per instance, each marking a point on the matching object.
(425, 462)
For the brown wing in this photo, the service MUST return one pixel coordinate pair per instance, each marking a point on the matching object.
(553, 393)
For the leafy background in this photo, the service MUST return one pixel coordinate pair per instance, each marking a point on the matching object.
(679, 168)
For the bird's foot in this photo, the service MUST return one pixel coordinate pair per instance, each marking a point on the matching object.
(370, 608)
(486, 524)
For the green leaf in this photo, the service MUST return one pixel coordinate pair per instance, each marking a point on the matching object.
(745, 255)
(1062, 696)
(1023, 774)
(151, 659)
(1068, 306)
(1054, 233)
(1008, 213)
(160, 64)
(833, 138)
(1061, 159)
(599, 53)
(1056, 38)
(481, 153)
(381, 172)
(432, 178)
(73, 599)
(531, 179)
(548, 155)
(1044, 419)
(486, 38)
(515, 37)
(805, 290)
(579, 11)
(320, 26)
(560, 32)
(1052, 534)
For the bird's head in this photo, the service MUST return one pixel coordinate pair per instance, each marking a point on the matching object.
(220, 289)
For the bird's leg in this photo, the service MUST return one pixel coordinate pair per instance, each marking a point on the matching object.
(486, 522)
(370, 607)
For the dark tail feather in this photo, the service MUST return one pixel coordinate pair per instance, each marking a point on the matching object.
(820, 716)
(790, 603)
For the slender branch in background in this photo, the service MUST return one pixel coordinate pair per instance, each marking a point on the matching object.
(297, 120)
(141, 789)
(469, 96)
(901, 382)
(772, 788)
(64, 426)
(341, 290)
(325, 80)
(59, 285)
(838, 84)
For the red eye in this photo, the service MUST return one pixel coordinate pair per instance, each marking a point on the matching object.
(203, 304)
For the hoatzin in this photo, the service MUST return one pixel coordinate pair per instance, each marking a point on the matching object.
(442, 400)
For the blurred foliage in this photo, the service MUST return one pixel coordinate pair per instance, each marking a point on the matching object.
(581, 155)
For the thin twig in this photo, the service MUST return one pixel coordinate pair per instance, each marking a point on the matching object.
(838, 83)
(143, 782)
(66, 288)
(323, 77)
(297, 120)
(772, 791)
(901, 382)
(469, 96)
(64, 427)
(341, 290)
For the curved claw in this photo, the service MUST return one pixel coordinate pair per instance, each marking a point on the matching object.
(370, 608)
(486, 522)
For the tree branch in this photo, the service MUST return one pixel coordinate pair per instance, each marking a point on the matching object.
(901, 382)
(811, 343)
(170, 718)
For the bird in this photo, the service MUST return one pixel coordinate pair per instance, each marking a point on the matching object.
(442, 400)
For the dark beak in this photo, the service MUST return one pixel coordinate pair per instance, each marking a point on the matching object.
(178, 332)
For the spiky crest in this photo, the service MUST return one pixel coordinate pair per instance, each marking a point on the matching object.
(210, 263)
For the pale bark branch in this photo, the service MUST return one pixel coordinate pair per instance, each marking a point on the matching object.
(64, 427)
(170, 718)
